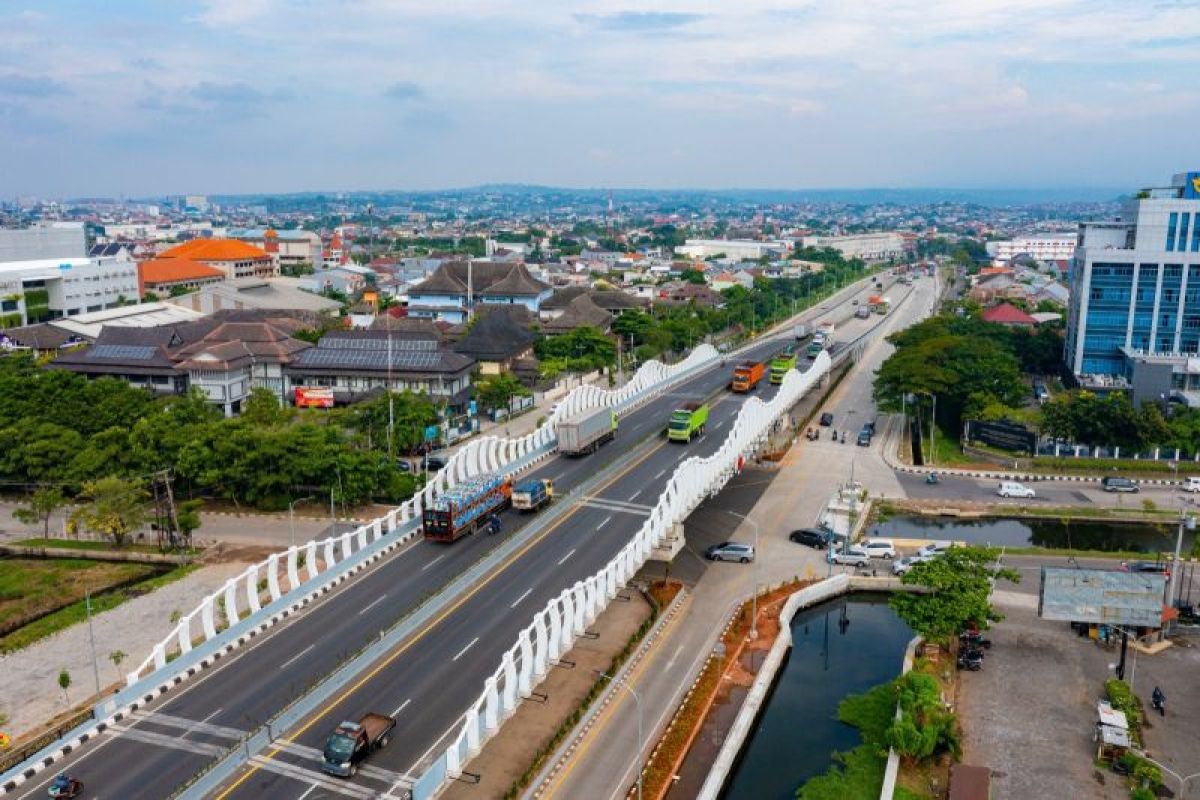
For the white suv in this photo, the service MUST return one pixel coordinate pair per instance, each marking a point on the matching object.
(879, 548)
(855, 556)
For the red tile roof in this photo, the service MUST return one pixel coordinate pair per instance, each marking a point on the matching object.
(215, 250)
(175, 270)
(1008, 314)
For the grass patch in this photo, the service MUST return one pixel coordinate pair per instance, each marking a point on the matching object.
(58, 586)
(104, 547)
(1118, 555)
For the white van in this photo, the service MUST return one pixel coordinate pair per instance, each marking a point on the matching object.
(1014, 489)
(1192, 484)
(879, 548)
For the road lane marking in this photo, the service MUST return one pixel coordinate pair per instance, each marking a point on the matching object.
(402, 706)
(311, 789)
(172, 742)
(517, 602)
(312, 777)
(373, 603)
(607, 520)
(563, 560)
(457, 604)
(661, 472)
(634, 496)
(674, 656)
(462, 652)
(285, 664)
(431, 563)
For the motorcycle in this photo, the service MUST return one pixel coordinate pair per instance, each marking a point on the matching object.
(974, 640)
(494, 525)
(65, 787)
(1159, 701)
(843, 437)
(971, 660)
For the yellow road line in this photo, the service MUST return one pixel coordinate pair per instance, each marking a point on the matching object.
(435, 622)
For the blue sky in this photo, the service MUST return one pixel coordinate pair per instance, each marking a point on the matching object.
(135, 98)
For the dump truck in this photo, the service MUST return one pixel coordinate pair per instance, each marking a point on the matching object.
(586, 431)
(465, 507)
(687, 421)
(782, 364)
(746, 376)
(351, 742)
(532, 495)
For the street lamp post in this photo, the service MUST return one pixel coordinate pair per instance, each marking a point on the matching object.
(92, 638)
(754, 594)
(292, 516)
(640, 736)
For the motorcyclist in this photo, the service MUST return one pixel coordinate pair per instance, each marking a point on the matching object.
(493, 524)
(1159, 700)
(65, 786)
(933, 478)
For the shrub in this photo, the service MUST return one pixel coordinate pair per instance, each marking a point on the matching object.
(1122, 698)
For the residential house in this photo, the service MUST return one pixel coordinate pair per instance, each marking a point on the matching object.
(459, 287)
(581, 311)
(498, 336)
(612, 301)
(1008, 314)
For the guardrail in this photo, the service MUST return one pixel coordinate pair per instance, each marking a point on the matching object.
(554, 629)
(313, 568)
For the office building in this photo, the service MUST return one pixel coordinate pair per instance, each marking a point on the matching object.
(50, 288)
(732, 249)
(290, 248)
(867, 246)
(1134, 314)
(235, 258)
(1042, 248)
(52, 240)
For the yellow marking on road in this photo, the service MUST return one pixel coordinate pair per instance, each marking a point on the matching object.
(434, 623)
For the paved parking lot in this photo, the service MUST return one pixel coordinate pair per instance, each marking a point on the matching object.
(1028, 715)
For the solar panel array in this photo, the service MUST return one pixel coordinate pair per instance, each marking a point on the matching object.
(368, 359)
(128, 352)
(424, 345)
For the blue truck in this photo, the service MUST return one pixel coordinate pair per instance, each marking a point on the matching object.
(532, 495)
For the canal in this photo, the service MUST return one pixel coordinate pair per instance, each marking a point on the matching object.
(1031, 532)
(840, 647)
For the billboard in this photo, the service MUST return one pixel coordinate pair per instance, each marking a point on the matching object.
(314, 397)
(1106, 596)
(1004, 435)
(1191, 186)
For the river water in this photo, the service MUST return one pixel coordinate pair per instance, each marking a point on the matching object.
(1057, 533)
(840, 647)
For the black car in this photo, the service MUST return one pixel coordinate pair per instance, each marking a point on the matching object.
(827, 419)
(434, 463)
(1161, 567)
(813, 537)
(1114, 484)
(869, 426)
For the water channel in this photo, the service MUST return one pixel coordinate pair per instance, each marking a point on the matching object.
(1057, 533)
(840, 647)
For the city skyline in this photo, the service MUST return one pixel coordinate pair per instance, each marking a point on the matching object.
(272, 96)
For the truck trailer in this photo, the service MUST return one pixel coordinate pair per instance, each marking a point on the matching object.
(586, 431)
(782, 364)
(746, 376)
(687, 421)
(532, 495)
(800, 331)
(463, 508)
(351, 742)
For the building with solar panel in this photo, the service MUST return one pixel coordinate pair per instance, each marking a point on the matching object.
(358, 364)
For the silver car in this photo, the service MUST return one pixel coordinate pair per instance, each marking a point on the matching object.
(730, 551)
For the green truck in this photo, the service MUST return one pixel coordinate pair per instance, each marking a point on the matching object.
(687, 421)
(782, 364)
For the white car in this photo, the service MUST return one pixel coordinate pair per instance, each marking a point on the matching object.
(1013, 489)
(933, 549)
(879, 548)
(903, 565)
(854, 556)
(1191, 485)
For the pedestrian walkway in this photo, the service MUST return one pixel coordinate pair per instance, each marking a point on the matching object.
(32, 695)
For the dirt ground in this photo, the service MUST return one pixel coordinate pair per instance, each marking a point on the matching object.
(1028, 715)
(510, 753)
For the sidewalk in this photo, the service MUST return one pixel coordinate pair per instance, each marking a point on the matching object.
(31, 695)
(807, 477)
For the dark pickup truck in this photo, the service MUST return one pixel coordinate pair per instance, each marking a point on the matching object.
(351, 742)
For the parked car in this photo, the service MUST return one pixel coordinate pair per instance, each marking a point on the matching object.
(730, 551)
(854, 556)
(869, 426)
(864, 438)
(903, 565)
(1191, 485)
(404, 465)
(933, 549)
(1114, 483)
(826, 419)
(1013, 489)
(1159, 567)
(435, 463)
(879, 548)
(813, 537)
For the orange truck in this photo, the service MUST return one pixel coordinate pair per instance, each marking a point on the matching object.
(746, 376)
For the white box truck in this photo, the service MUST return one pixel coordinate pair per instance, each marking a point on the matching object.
(586, 431)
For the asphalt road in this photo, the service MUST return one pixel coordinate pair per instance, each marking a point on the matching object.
(1049, 493)
(434, 676)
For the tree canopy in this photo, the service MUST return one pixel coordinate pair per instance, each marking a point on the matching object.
(959, 584)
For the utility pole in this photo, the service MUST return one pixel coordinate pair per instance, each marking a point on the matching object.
(87, 599)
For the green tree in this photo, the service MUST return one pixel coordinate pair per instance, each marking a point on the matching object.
(958, 588)
(40, 506)
(116, 657)
(64, 682)
(263, 409)
(112, 507)
(187, 514)
(496, 391)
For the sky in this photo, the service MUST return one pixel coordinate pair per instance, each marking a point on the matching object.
(153, 97)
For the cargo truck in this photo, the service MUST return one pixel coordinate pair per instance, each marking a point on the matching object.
(532, 495)
(885, 305)
(687, 421)
(746, 376)
(465, 507)
(800, 331)
(826, 329)
(586, 431)
(782, 364)
(351, 742)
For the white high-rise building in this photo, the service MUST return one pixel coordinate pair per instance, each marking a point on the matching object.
(63, 287)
